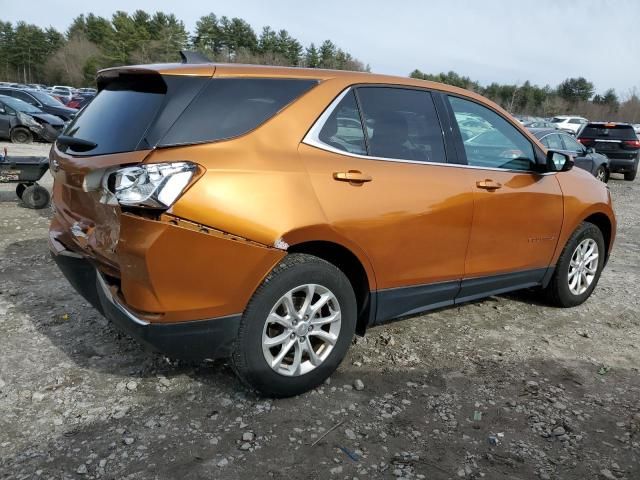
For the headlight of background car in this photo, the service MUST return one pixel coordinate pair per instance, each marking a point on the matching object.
(27, 120)
(153, 186)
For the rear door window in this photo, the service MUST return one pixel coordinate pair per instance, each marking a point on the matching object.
(571, 145)
(229, 107)
(343, 129)
(490, 140)
(553, 142)
(401, 124)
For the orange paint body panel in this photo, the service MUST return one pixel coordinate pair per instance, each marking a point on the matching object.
(412, 224)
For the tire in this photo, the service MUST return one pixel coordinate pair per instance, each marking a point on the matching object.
(295, 276)
(559, 291)
(36, 197)
(601, 174)
(631, 176)
(21, 135)
(20, 188)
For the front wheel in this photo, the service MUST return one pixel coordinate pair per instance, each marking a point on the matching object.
(602, 174)
(21, 135)
(579, 267)
(297, 327)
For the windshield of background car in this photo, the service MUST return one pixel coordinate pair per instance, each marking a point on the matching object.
(613, 132)
(557, 120)
(20, 106)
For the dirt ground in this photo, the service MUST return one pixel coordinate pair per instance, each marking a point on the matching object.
(504, 388)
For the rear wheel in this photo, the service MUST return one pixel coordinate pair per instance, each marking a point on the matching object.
(579, 267)
(630, 176)
(297, 327)
(21, 135)
(35, 196)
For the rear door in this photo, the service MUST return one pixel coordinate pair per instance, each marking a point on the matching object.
(517, 211)
(390, 191)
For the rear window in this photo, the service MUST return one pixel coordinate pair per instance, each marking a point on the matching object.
(229, 107)
(119, 115)
(141, 111)
(614, 132)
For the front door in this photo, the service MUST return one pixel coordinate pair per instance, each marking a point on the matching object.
(388, 190)
(517, 211)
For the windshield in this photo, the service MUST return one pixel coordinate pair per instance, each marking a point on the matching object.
(557, 120)
(19, 105)
(47, 100)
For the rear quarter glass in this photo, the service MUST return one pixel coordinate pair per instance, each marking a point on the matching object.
(230, 107)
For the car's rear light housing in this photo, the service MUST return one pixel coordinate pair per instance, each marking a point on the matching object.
(585, 141)
(632, 143)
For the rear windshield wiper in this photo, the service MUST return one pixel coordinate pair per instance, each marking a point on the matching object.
(77, 144)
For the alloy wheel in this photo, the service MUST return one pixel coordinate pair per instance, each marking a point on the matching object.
(583, 266)
(301, 330)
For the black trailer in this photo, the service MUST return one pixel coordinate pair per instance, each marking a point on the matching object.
(26, 171)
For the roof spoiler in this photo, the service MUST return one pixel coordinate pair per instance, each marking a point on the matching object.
(189, 56)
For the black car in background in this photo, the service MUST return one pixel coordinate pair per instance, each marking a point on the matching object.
(618, 141)
(21, 122)
(586, 158)
(41, 100)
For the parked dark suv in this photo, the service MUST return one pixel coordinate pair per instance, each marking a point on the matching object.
(618, 141)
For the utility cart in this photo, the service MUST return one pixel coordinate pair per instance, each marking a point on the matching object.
(26, 171)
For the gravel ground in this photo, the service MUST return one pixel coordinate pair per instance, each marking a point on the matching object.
(505, 388)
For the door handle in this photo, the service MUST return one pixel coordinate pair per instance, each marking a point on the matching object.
(488, 184)
(352, 176)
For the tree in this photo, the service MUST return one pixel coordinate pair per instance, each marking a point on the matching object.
(575, 89)
(311, 56)
(208, 36)
(327, 54)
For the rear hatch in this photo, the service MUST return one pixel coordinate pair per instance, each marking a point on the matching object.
(132, 111)
(136, 111)
(614, 140)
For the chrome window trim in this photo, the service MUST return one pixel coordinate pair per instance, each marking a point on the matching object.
(312, 139)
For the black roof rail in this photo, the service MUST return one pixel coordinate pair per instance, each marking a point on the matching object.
(189, 56)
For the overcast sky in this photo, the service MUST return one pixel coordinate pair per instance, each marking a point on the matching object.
(544, 41)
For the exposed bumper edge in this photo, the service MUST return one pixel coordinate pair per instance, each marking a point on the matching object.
(191, 340)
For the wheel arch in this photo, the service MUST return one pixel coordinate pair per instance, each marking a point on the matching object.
(603, 223)
(358, 272)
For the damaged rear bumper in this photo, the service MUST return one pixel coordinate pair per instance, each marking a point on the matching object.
(176, 287)
(193, 340)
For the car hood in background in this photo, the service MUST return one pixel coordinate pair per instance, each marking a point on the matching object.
(50, 119)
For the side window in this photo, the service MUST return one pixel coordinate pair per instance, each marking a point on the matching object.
(576, 121)
(571, 145)
(490, 140)
(343, 129)
(401, 123)
(553, 142)
(24, 97)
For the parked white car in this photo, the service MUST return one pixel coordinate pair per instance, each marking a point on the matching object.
(569, 123)
(636, 127)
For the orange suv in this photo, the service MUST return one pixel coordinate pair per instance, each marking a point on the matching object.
(267, 214)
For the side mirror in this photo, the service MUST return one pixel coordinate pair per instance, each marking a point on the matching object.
(559, 162)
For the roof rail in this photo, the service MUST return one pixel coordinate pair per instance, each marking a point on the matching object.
(189, 56)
